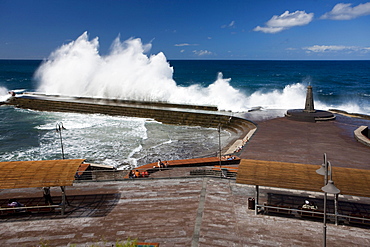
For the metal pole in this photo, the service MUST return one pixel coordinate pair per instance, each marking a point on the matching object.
(63, 200)
(328, 188)
(326, 173)
(219, 147)
(335, 197)
(324, 227)
(61, 143)
(336, 209)
(256, 200)
(59, 128)
(325, 198)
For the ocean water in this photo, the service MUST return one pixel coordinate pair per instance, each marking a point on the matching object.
(77, 69)
(342, 85)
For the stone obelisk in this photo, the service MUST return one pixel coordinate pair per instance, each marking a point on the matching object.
(309, 100)
(309, 114)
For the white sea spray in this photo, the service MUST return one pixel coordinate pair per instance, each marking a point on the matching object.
(77, 69)
(129, 72)
(4, 95)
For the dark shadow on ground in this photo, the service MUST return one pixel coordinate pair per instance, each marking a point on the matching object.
(94, 205)
(344, 208)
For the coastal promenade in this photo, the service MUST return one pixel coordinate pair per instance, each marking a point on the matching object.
(200, 211)
(172, 212)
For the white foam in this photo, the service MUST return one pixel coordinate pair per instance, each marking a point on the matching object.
(19, 90)
(130, 162)
(4, 94)
(127, 72)
(103, 139)
(292, 96)
(161, 144)
(77, 69)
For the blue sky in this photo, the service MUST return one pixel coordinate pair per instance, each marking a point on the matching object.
(233, 29)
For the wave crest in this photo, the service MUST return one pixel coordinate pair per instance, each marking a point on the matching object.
(127, 72)
(77, 69)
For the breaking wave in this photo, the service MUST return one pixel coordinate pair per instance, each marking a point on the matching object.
(127, 72)
(77, 69)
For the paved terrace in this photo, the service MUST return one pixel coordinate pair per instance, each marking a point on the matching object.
(285, 140)
(172, 212)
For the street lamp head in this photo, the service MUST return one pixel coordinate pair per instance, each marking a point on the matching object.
(321, 170)
(59, 127)
(330, 188)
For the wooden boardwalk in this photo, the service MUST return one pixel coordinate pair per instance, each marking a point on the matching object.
(350, 181)
(38, 173)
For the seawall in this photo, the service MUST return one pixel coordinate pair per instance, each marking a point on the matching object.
(167, 113)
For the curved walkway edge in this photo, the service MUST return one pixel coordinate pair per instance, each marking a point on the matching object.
(359, 135)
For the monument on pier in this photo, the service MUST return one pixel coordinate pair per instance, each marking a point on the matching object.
(309, 114)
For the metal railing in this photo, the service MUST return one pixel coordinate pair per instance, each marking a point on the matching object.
(153, 173)
(346, 219)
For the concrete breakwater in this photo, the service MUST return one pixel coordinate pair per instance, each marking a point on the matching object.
(167, 113)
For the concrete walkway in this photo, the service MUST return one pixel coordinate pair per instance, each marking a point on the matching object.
(172, 212)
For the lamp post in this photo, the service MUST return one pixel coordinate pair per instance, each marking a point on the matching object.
(59, 128)
(219, 147)
(328, 187)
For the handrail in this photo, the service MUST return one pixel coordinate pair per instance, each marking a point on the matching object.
(315, 212)
(29, 207)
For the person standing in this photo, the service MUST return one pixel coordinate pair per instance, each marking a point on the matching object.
(160, 164)
(47, 196)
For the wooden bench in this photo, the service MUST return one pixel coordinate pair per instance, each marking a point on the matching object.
(311, 213)
(11, 210)
(277, 209)
(28, 209)
(42, 208)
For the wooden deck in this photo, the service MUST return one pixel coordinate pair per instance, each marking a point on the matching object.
(296, 176)
(42, 173)
(229, 168)
(82, 168)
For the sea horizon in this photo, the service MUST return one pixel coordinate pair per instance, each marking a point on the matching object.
(215, 59)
